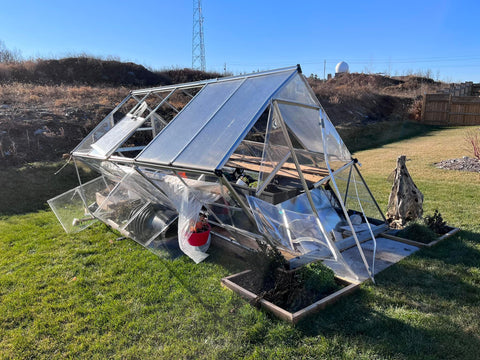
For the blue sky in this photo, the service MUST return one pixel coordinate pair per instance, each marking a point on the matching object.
(394, 37)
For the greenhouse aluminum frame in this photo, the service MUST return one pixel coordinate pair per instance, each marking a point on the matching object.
(255, 153)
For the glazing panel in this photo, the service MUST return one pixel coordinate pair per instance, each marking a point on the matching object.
(336, 149)
(305, 124)
(276, 155)
(180, 132)
(86, 145)
(296, 90)
(108, 143)
(137, 209)
(74, 207)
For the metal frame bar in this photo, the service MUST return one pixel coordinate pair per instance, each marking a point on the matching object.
(163, 100)
(295, 103)
(370, 193)
(170, 105)
(205, 82)
(345, 212)
(348, 185)
(272, 174)
(328, 177)
(332, 248)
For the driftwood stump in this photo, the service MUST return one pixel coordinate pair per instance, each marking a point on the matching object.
(406, 201)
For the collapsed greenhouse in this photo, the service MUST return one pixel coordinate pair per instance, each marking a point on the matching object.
(249, 159)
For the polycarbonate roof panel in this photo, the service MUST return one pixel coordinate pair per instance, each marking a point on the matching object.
(109, 142)
(210, 127)
(337, 150)
(305, 123)
(296, 90)
(179, 132)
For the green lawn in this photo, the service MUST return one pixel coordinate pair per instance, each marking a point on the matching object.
(88, 295)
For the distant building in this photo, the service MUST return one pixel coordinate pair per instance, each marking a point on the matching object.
(341, 68)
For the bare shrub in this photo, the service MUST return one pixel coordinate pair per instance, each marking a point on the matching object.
(415, 111)
(8, 56)
(472, 138)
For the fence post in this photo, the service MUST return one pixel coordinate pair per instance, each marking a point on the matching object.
(424, 105)
(449, 107)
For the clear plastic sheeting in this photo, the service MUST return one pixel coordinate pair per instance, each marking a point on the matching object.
(111, 170)
(74, 208)
(188, 197)
(294, 225)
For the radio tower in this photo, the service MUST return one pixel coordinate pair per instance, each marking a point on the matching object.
(198, 45)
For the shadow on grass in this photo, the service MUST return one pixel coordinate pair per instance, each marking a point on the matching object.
(405, 333)
(459, 250)
(424, 307)
(27, 188)
(364, 137)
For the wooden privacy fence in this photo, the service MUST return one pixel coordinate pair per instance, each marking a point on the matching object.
(444, 109)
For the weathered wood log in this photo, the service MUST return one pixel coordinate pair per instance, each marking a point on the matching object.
(406, 201)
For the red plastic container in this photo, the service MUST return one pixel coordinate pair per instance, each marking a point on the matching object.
(199, 239)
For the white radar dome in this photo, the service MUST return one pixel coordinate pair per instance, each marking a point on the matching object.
(342, 67)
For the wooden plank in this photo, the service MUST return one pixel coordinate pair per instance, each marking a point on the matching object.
(283, 171)
(322, 304)
(287, 165)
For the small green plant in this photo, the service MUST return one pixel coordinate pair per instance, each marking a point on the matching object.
(425, 230)
(317, 277)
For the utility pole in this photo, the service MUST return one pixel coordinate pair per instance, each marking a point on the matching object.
(324, 68)
(198, 44)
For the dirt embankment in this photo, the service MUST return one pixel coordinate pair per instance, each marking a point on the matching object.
(359, 99)
(48, 107)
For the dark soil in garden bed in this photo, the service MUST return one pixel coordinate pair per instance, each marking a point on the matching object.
(463, 164)
(287, 289)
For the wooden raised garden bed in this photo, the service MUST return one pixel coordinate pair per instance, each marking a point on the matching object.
(451, 231)
(234, 282)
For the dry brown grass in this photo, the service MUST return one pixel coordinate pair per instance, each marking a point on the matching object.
(357, 98)
(54, 96)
